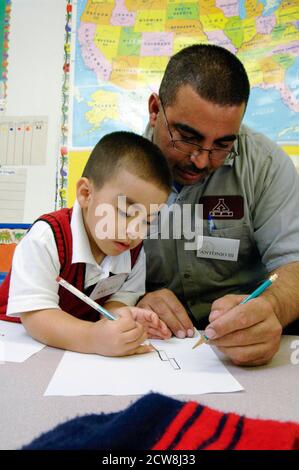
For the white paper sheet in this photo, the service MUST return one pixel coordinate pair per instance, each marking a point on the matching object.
(184, 371)
(15, 344)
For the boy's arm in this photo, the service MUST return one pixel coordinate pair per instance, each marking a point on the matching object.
(59, 329)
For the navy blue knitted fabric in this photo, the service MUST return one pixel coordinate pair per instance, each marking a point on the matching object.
(137, 427)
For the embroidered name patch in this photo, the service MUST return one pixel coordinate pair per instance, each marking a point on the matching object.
(222, 207)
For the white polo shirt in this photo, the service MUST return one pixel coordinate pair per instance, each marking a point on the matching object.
(36, 265)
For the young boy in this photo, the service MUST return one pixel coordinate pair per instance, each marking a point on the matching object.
(125, 172)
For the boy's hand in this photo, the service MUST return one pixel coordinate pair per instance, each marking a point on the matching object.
(165, 303)
(120, 337)
(155, 328)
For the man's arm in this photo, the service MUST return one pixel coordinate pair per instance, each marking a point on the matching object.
(284, 294)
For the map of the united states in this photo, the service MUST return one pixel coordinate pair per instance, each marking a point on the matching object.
(123, 46)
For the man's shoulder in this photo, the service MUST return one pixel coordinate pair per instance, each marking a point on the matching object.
(148, 132)
(251, 141)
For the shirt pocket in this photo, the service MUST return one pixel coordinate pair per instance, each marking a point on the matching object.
(247, 254)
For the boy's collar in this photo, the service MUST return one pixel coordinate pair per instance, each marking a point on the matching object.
(82, 252)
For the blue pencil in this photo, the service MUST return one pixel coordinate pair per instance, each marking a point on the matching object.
(255, 293)
(261, 288)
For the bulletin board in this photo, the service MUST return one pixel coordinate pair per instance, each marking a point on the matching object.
(117, 53)
(5, 9)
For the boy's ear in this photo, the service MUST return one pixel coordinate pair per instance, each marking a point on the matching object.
(84, 191)
(153, 107)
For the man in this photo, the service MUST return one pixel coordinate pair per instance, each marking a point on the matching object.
(249, 191)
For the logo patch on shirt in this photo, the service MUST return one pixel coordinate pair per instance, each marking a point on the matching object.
(222, 207)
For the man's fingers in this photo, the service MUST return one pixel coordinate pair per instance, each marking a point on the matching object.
(170, 310)
(216, 314)
(256, 334)
(165, 312)
(158, 333)
(238, 318)
(180, 312)
(224, 304)
(253, 355)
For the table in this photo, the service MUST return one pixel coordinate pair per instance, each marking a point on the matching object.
(271, 391)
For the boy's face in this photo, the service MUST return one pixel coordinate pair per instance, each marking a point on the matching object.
(117, 216)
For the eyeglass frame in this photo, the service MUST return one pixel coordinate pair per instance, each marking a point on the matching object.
(231, 154)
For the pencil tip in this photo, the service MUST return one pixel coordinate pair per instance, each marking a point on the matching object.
(198, 343)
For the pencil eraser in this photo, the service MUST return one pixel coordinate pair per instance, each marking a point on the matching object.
(58, 279)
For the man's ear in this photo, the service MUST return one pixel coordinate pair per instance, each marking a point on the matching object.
(153, 107)
(84, 192)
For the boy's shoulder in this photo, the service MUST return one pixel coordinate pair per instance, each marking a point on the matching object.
(62, 215)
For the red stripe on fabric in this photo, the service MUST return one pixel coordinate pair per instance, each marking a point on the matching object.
(202, 428)
(268, 435)
(175, 426)
(226, 436)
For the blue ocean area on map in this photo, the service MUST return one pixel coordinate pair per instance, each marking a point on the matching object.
(265, 113)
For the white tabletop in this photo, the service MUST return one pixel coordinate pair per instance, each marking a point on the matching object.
(270, 392)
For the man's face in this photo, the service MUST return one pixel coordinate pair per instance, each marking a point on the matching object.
(191, 118)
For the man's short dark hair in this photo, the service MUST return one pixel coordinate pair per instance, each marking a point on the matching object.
(127, 151)
(213, 72)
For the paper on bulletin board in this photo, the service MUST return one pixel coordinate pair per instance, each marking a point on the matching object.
(76, 163)
(13, 183)
(23, 140)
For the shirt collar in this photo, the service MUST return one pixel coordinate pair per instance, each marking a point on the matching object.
(82, 251)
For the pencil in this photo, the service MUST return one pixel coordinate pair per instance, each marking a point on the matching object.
(91, 302)
(253, 295)
(85, 298)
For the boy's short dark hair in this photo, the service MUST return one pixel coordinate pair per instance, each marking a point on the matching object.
(213, 72)
(131, 152)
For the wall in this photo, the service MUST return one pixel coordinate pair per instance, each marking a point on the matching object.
(36, 43)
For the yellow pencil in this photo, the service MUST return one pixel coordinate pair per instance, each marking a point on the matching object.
(203, 339)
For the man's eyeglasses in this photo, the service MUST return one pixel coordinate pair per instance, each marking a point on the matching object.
(190, 148)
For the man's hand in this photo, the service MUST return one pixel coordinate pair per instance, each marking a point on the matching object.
(248, 334)
(170, 310)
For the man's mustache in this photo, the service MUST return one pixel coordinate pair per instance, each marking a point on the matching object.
(193, 169)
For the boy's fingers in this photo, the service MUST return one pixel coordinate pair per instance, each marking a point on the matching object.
(143, 349)
(158, 334)
(170, 310)
(137, 335)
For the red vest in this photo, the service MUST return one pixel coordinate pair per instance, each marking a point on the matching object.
(59, 222)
